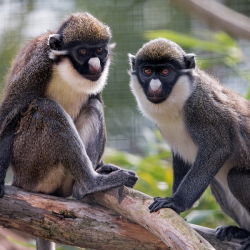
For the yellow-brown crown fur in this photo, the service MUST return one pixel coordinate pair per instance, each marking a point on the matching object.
(83, 27)
(160, 49)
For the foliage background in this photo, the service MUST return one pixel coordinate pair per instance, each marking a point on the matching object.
(133, 141)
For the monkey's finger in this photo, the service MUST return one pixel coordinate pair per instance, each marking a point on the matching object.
(157, 198)
(156, 201)
(107, 169)
(131, 172)
(152, 204)
(156, 205)
(220, 233)
(151, 207)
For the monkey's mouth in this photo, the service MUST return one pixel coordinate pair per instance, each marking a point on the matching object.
(156, 99)
(93, 77)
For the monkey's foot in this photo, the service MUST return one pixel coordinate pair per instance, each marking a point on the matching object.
(245, 244)
(109, 168)
(166, 202)
(104, 182)
(231, 231)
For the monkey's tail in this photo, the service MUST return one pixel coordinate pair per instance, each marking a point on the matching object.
(42, 244)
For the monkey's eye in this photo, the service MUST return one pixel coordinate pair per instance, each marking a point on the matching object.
(147, 71)
(83, 52)
(99, 50)
(165, 71)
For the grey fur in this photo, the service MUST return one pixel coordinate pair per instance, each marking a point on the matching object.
(214, 122)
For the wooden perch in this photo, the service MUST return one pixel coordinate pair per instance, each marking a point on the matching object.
(219, 16)
(81, 224)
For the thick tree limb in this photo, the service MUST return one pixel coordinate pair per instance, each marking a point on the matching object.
(165, 223)
(80, 224)
(72, 222)
(219, 16)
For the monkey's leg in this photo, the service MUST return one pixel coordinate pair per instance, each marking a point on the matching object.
(46, 144)
(239, 185)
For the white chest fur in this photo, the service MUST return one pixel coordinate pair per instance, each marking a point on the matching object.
(168, 115)
(65, 95)
(174, 132)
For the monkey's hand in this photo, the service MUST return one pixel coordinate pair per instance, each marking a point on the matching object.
(109, 168)
(230, 232)
(167, 202)
(1, 190)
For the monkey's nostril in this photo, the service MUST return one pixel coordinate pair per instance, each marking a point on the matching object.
(94, 69)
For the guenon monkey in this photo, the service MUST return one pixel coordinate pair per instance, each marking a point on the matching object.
(207, 127)
(52, 129)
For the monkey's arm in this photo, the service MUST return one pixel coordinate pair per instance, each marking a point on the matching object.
(208, 162)
(91, 120)
(180, 168)
(91, 127)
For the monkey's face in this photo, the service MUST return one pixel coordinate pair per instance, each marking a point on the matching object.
(157, 79)
(81, 52)
(89, 60)
(83, 66)
(161, 74)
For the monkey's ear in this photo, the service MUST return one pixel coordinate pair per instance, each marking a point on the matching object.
(131, 61)
(190, 61)
(55, 42)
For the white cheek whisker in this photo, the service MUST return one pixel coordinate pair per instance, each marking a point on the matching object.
(54, 53)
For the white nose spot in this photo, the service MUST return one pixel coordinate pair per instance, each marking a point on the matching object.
(95, 62)
(155, 84)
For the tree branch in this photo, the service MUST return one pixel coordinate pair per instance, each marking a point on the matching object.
(72, 222)
(76, 223)
(165, 223)
(219, 16)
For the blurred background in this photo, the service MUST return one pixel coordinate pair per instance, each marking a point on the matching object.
(133, 141)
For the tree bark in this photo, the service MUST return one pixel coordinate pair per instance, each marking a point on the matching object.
(81, 224)
(72, 222)
(218, 16)
(165, 224)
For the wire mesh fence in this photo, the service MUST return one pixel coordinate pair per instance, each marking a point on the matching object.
(20, 20)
